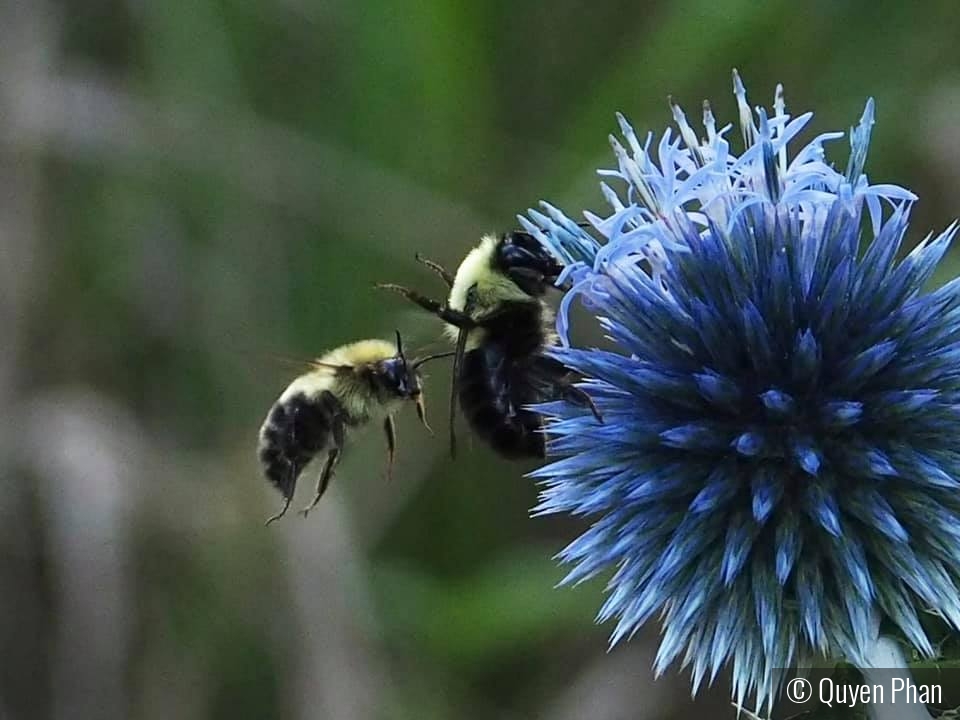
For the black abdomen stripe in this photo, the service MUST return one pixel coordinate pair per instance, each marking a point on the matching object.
(295, 431)
(492, 399)
(517, 329)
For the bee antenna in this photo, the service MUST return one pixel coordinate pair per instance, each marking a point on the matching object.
(400, 349)
(421, 361)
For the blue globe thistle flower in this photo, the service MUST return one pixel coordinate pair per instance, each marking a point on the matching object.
(778, 469)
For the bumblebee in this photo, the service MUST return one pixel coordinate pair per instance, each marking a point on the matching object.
(496, 314)
(350, 386)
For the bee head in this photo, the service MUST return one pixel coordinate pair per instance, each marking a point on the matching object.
(527, 262)
(400, 377)
(403, 379)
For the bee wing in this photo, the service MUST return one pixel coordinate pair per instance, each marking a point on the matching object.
(299, 363)
(329, 366)
(306, 365)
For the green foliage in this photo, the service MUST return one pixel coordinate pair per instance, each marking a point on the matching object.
(484, 618)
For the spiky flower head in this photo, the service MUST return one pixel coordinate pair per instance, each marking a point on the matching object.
(778, 467)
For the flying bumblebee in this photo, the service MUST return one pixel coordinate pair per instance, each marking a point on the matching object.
(350, 386)
(501, 325)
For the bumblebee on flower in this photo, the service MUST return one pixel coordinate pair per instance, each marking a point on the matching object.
(777, 472)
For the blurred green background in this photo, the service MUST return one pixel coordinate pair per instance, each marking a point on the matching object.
(193, 190)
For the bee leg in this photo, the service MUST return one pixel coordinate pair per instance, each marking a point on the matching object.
(283, 511)
(454, 317)
(455, 389)
(391, 431)
(292, 471)
(437, 268)
(563, 380)
(577, 396)
(333, 457)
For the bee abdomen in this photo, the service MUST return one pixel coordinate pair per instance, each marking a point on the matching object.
(296, 429)
(493, 405)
